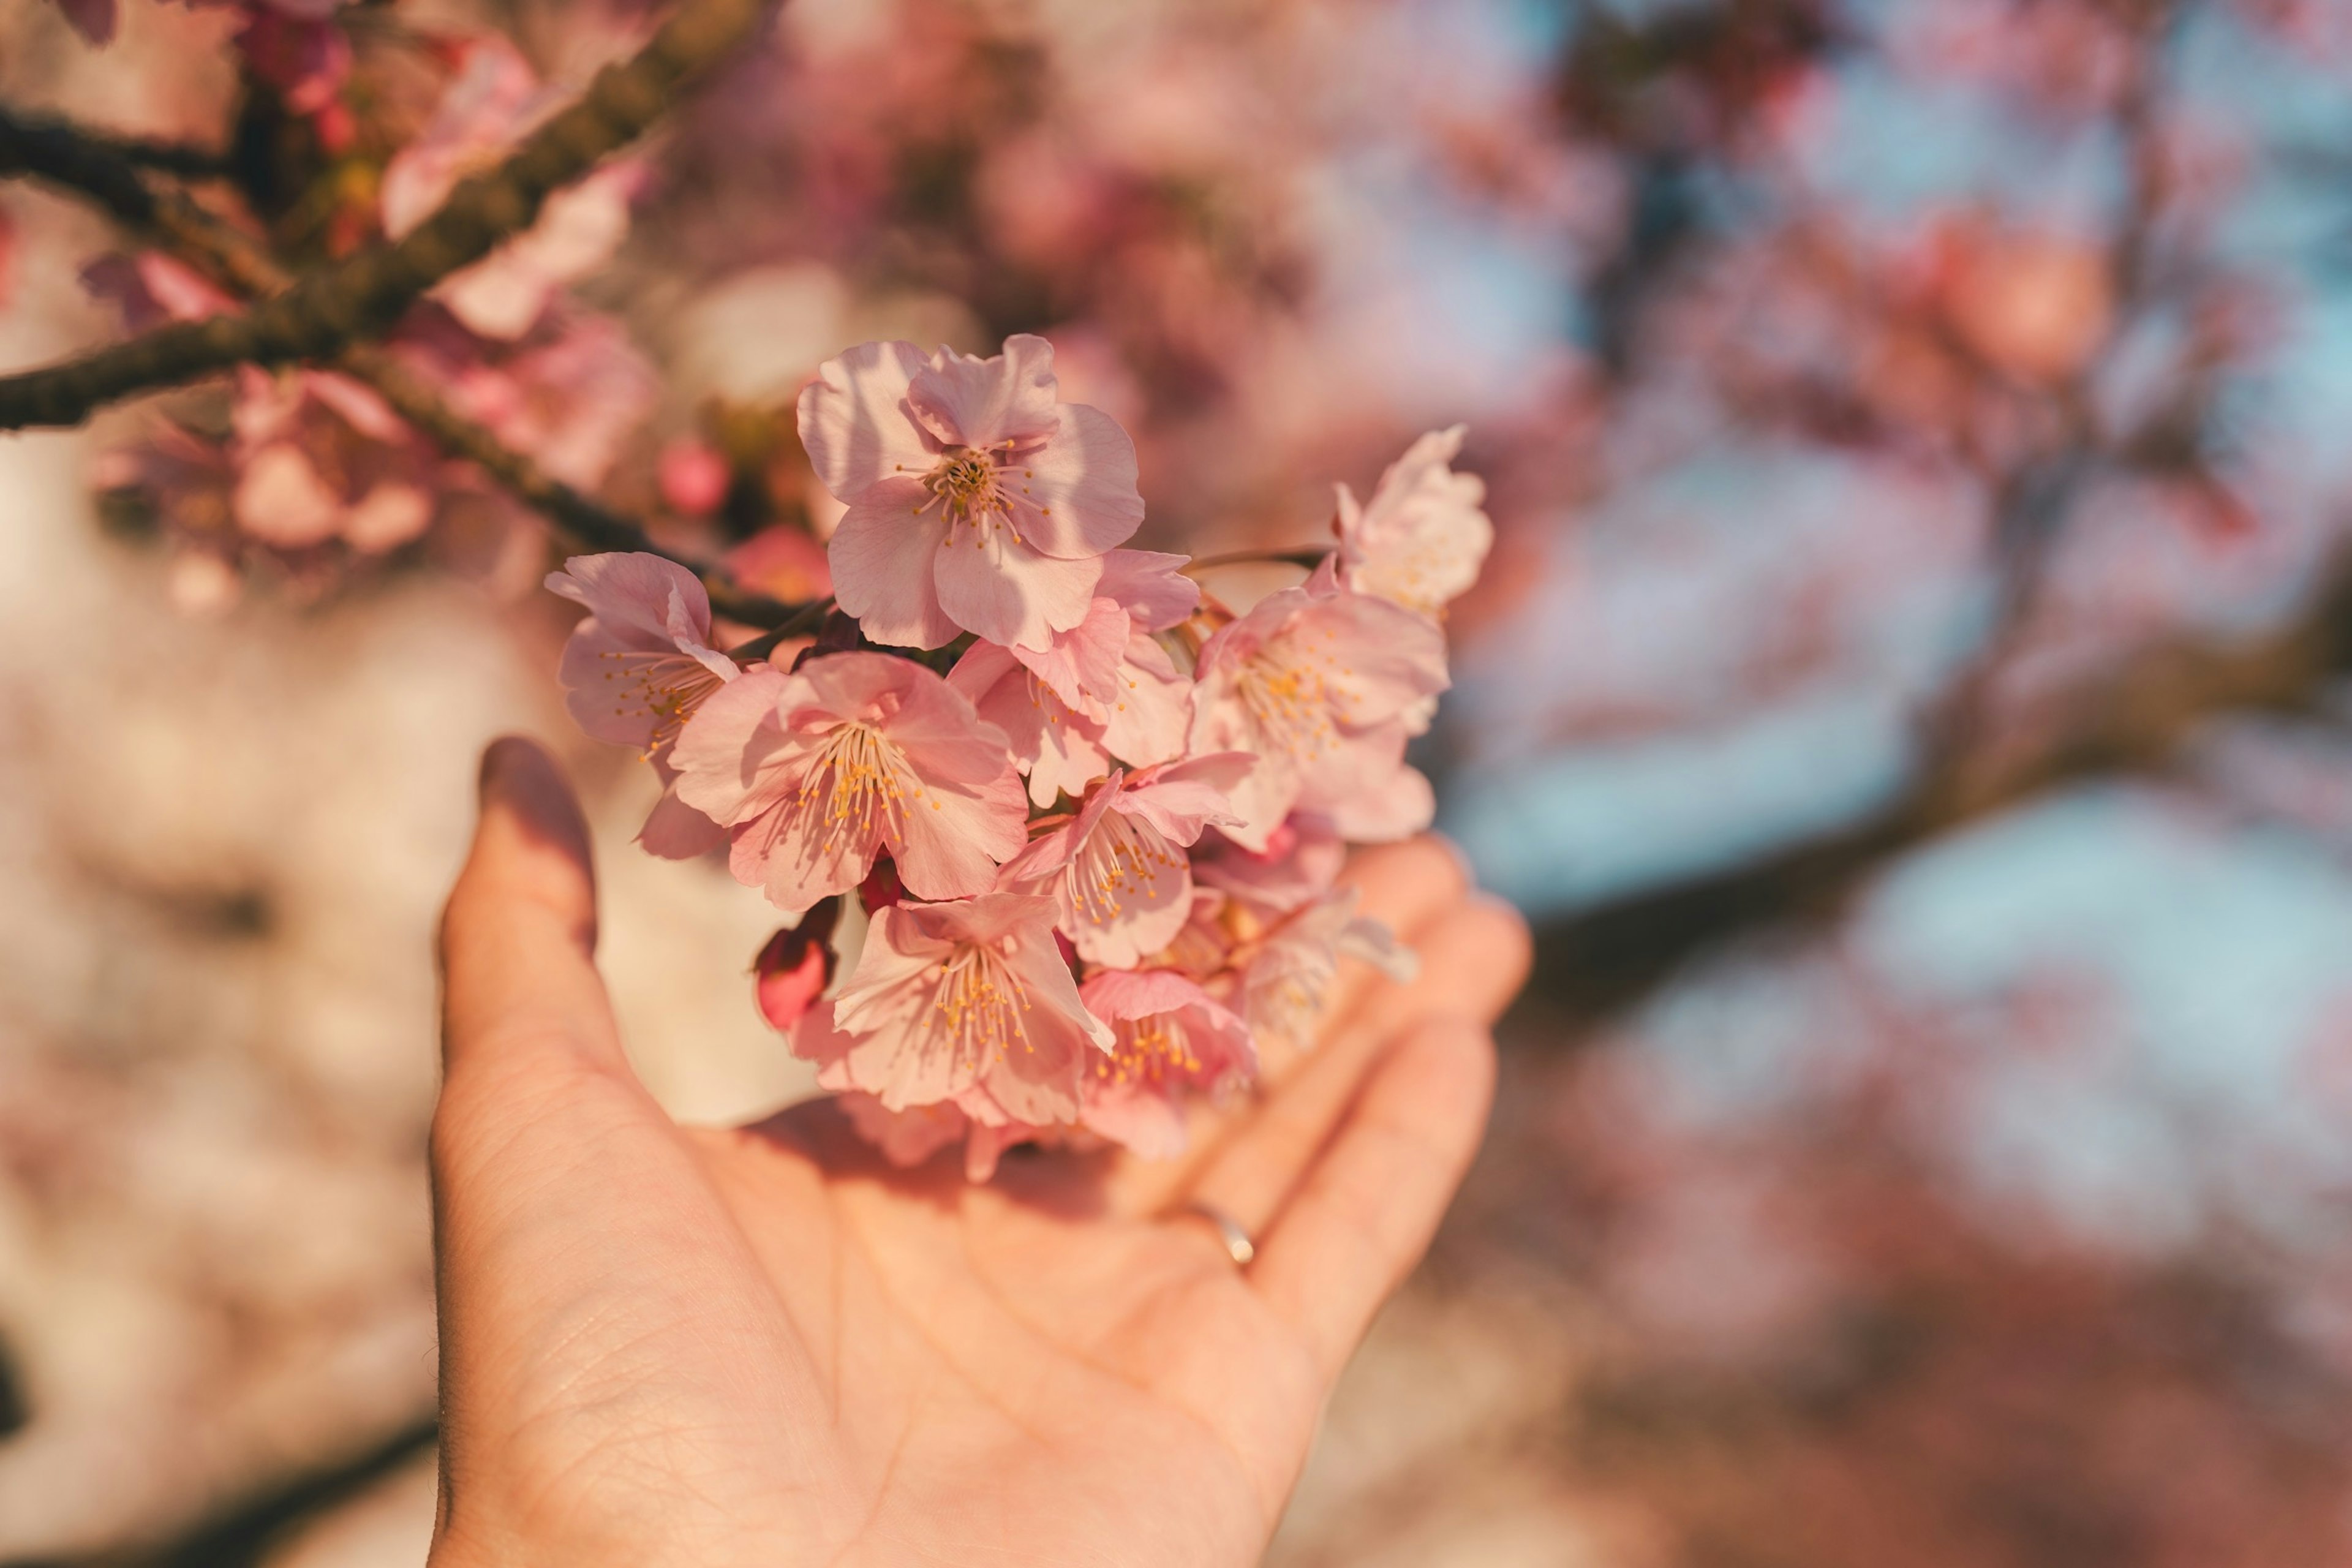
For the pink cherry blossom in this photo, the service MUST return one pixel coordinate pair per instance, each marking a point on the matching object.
(951, 997)
(1103, 689)
(816, 773)
(1117, 871)
(1169, 1036)
(496, 98)
(315, 456)
(978, 502)
(1288, 982)
(1324, 685)
(1421, 538)
(637, 668)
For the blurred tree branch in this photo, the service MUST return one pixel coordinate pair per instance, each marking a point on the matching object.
(1606, 958)
(95, 167)
(326, 311)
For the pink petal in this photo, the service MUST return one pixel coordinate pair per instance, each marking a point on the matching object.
(1008, 397)
(855, 424)
(1147, 720)
(1116, 994)
(1182, 800)
(882, 559)
(957, 834)
(675, 831)
(1383, 810)
(1082, 498)
(1141, 1117)
(720, 754)
(1150, 586)
(281, 498)
(1003, 590)
(1082, 664)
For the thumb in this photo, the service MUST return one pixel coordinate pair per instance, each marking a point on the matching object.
(519, 936)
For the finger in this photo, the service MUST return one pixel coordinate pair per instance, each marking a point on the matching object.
(1473, 962)
(519, 937)
(1366, 1210)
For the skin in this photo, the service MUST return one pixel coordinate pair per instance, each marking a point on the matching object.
(666, 1344)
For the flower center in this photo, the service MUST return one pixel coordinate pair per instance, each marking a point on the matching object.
(1149, 1050)
(1293, 696)
(665, 686)
(973, 484)
(1124, 858)
(977, 1006)
(861, 784)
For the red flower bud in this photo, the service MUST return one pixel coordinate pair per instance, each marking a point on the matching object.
(792, 970)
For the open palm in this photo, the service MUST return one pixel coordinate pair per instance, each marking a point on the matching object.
(764, 1345)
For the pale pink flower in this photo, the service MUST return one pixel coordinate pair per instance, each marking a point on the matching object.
(1169, 1036)
(570, 393)
(1324, 685)
(1419, 540)
(495, 99)
(978, 502)
(1288, 982)
(1104, 689)
(1117, 871)
(637, 668)
(951, 997)
(816, 773)
(321, 456)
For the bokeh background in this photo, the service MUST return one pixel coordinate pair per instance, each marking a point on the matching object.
(1908, 694)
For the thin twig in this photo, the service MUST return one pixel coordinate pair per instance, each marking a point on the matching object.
(328, 310)
(1310, 556)
(64, 155)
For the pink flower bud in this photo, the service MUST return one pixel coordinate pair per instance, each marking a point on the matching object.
(694, 479)
(792, 970)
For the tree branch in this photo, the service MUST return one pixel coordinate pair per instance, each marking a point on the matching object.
(1602, 960)
(88, 165)
(328, 310)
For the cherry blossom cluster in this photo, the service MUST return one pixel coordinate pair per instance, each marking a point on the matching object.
(313, 464)
(1060, 834)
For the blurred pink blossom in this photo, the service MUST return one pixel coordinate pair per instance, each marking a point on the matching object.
(495, 99)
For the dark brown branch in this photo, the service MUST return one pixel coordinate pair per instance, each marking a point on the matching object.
(327, 311)
(176, 158)
(87, 165)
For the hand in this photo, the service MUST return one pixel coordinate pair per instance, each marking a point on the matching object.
(762, 1345)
